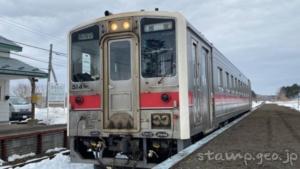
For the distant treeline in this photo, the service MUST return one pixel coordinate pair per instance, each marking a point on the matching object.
(289, 92)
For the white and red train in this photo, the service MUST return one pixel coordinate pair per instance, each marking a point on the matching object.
(143, 86)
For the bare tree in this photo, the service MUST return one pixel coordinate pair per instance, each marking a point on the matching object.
(24, 90)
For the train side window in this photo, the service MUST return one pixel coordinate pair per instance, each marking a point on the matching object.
(220, 77)
(236, 84)
(203, 68)
(196, 61)
(232, 82)
(227, 80)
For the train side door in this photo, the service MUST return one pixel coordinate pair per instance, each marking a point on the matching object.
(205, 86)
(121, 86)
(196, 87)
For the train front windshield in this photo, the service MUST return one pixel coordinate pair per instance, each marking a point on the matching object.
(158, 51)
(158, 47)
(85, 55)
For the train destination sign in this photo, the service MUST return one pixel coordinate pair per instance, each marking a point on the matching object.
(158, 27)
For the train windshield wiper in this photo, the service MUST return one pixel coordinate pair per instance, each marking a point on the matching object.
(168, 72)
(162, 78)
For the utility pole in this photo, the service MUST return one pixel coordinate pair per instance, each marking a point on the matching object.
(49, 72)
(54, 76)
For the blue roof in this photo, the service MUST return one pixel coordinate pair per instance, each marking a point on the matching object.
(10, 45)
(11, 66)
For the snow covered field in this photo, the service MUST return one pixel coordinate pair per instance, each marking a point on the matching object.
(292, 104)
(255, 104)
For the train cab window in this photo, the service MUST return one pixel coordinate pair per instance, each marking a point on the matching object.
(158, 47)
(85, 59)
(220, 77)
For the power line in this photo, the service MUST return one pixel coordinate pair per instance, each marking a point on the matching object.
(36, 47)
(28, 57)
(24, 27)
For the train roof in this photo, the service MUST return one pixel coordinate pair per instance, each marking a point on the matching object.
(130, 14)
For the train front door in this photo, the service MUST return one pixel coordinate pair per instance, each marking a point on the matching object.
(121, 85)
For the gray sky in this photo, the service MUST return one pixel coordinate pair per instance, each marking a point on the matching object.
(261, 37)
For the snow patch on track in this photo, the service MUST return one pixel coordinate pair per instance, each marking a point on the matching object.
(15, 157)
(58, 162)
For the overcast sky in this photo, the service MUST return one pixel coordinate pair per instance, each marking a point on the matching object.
(261, 37)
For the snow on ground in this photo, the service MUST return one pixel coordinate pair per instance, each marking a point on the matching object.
(291, 103)
(56, 149)
(56, 115)
(1, 162)
(16, 156)
(58, 162)
(255, 104)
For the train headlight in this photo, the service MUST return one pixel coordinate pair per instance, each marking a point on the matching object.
(114, 26)
(161, 121)
(120, 25)
(126, 25)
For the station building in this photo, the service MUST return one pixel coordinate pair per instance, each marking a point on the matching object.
(11, 69)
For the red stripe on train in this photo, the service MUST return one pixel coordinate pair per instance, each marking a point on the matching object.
(149, 100)
(152, 100)
(89, 102)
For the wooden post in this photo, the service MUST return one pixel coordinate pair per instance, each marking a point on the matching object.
(39, 144)
(3, 150)
(66, 139)
(32, 81)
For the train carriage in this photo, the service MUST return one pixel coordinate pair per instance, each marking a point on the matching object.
(143, 85)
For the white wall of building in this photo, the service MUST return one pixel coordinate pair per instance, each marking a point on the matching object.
(4, 105)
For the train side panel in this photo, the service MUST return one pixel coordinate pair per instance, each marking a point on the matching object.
(231, 95)
(214, 96)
